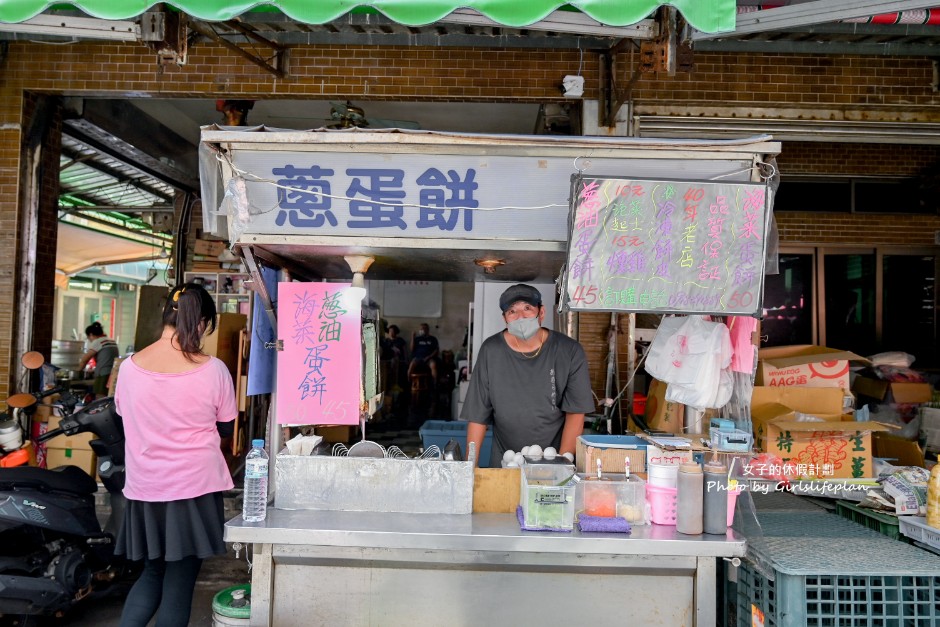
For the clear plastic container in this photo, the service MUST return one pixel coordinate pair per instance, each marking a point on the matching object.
(663, 475)
(612, 495)
(547, 496)
(255, 505)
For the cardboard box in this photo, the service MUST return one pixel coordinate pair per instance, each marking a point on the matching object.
(769, 404)
(208, 247)
(224, 342)
(338, 433)
(822, 402)
(77, 442)
(805, 365)
(898, 451)
(662, 415)
(85, 460)
(495, 490)
(890, 391)
(822, 450)
(43, 413)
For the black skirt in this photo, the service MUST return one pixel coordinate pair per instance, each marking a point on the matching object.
(172, 530)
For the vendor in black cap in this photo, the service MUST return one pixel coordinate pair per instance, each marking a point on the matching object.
(530, 383)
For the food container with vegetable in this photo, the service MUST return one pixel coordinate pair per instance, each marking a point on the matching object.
(547, 496)
(613, 495)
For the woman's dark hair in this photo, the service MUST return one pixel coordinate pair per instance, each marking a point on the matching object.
(188, 307)
(94, 328)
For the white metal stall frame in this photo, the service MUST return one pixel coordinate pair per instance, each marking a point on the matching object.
(426, 205)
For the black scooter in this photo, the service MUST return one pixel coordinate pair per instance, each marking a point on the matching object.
(53, 550)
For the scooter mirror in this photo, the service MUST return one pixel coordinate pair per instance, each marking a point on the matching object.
(33, 360)
(21, 401)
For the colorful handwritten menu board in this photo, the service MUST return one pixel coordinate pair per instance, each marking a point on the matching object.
(319, 368)
(666, 246)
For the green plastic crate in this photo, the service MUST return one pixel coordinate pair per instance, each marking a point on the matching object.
(884, 524)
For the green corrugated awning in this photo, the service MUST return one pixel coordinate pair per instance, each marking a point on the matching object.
(710, 16)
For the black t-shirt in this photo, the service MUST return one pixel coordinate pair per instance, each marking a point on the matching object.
(424, 345)
(526, 399)
(398, 347)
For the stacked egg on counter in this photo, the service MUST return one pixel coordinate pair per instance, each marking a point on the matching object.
(533, 453)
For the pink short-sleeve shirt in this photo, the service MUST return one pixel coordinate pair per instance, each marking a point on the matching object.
(172, 444)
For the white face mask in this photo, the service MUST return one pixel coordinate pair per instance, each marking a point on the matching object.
(524, 328)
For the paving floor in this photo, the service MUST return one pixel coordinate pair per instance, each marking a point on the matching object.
(217, 574)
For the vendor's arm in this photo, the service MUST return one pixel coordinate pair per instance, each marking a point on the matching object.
(475, 434)
(86, 358)
(577, 401)
(574, 426)
(477, 408)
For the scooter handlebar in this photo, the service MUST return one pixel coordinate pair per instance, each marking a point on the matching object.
(48, 435)
(56, 390)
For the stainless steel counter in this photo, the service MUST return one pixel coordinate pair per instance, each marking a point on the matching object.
(365, 568)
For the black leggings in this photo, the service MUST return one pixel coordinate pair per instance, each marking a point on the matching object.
(165, 589)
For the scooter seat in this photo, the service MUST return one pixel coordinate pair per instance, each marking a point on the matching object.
(62, 479)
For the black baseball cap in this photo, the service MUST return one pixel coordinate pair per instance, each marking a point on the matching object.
(520, 292)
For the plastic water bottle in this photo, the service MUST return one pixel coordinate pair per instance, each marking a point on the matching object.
(255, 505)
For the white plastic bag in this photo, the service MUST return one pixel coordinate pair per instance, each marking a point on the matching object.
(662, 346)
(699, 374)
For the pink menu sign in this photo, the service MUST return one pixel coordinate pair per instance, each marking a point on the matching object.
(319, 369)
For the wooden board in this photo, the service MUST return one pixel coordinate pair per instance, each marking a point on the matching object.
(495, 490)
(150, 302)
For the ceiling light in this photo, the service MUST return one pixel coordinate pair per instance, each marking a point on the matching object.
(359, 264)
(163, 252)
(489, 265)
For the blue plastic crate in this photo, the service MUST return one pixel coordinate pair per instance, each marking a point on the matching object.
(439, 432)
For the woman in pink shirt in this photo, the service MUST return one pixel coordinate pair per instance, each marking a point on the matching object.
(176, 402)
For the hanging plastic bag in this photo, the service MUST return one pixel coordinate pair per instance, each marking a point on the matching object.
(662, 346)
(701, 378)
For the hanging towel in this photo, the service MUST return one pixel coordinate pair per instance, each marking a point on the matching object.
(742, 329)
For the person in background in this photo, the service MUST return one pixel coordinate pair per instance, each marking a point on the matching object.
(424, 349)
(397, 344)
(177, 403)
(105, 351)
(530, 383)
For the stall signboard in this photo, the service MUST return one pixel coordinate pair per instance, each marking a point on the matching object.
(424, 195)
(319, 367)
(666, 246)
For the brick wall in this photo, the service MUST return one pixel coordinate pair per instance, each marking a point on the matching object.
(895, 88)
(800, 79)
